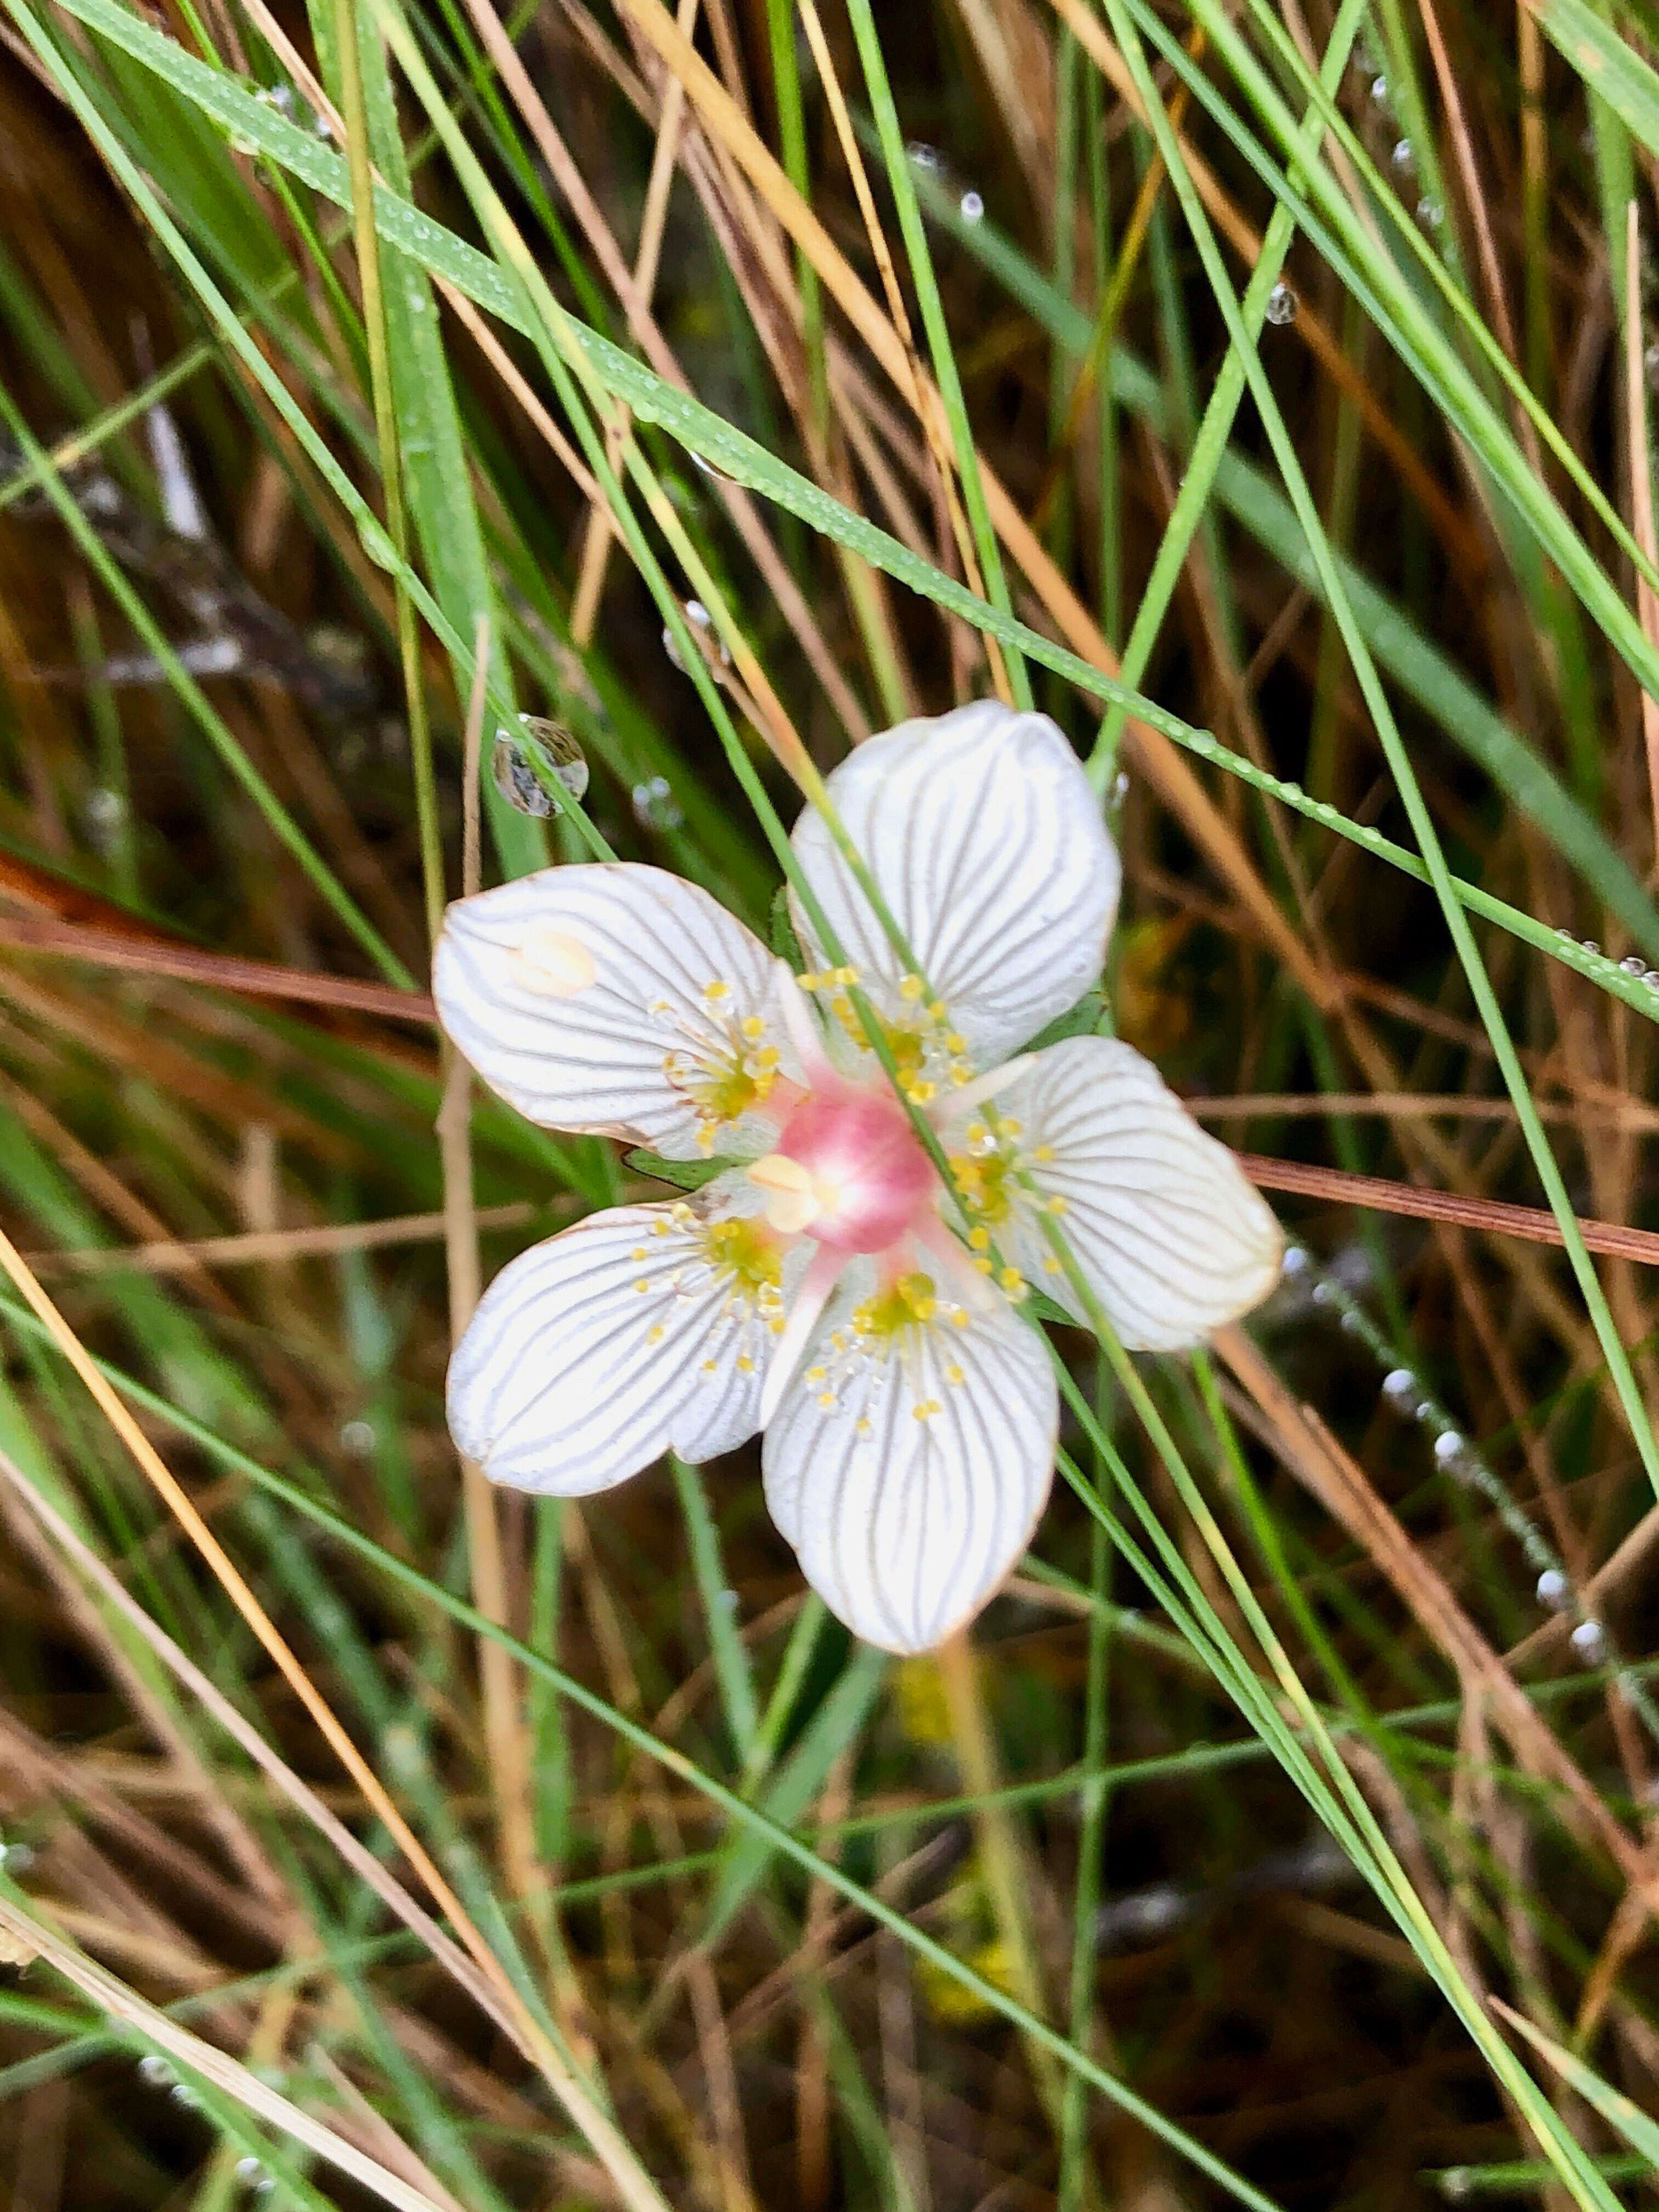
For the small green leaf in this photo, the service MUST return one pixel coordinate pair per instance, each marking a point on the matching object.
(1082, 1019)
(684, 1175)
(785, 943)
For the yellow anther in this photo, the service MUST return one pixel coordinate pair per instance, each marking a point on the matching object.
(711, 1367)
(911, 988)
(927, 1409)
(1010, 1279)
(862, 1425)
(1056, 1204)
(1043, 1152)
(956, 1042)
(938, 1011)
(745, 1365)
(638, 1251)
(716, 989)
(826, 1399)
(983, 1265)
(817, 1374)
(923, 1092)
(979, 1240)
(953, 1374)
(655, 1334)
(643, 1284)
(1052, 1266)
(753, 1025)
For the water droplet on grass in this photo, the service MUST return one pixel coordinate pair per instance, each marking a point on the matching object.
(973, 207)
(517, 755)
(655, 806)
(1282, 304)
(1553, 1588)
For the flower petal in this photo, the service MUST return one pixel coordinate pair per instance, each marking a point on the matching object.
(1169, 1235)
(908, 1473)
(643, 1329)
(982, 834)
(612, 999)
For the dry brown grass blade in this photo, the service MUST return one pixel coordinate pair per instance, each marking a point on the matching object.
(628, 2176)
(1641, 489)
(1529, 1223)
(36, 1938)
(143, 954)
(263, 1247)
(1314, 1456)
(1156, 754)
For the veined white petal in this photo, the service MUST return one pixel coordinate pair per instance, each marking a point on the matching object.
(982, 834)
(643, 1329)
(616, 1000)
(1169, 1235)
(907, 1467)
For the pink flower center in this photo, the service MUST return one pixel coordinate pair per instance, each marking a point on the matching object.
(848, 1170)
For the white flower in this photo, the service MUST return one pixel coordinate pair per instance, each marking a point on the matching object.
(826, 1288)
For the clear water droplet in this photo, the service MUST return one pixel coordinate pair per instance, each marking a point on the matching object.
(701, 624)
(182, 2093)
(1282, 304)
(358, 1438)
(1566, 936)
(105, 812)
(155, 2069)
(1401, 157)
(1633, 963)
(1296, 1259)
(655, 806)
(1650, 977)
(279, 96)
(1457, 2183)
(1589, 944)
(1447, 1445)
(972, 207)
(249, 2169)
(1324, 1293)
(1590, 1641)
(515, 758)
(1553, 1588)
(377, 543)
(1430, 213)
(922, 155)
(1380, 90)
(1400, 1385)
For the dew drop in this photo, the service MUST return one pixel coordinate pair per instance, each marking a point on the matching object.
(1553, 1588)
(1380, 90)
(1633, 963)
(515, 758)
(972, 207)
(249, 2169)
(1590, 1641)
(655, 806)
(358, 1438)
(1401, 157)
(701, 624)
(1589, 944)
(1282, 304)
(182, 2093)
(1457, 2183)
(1430, 213)
(1400, 1385)
(1324, 1294)
(1650, 362)
(155, 2069)
(1566, 936)
(279, 96)
(377, 543)
(1296, 1260)
(1447, 1445)
(1651, 978)
(105, 811)
(922, 155)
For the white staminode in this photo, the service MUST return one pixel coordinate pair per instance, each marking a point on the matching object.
(829, 1286)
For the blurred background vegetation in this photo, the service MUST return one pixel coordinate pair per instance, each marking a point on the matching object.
(1265, 384)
